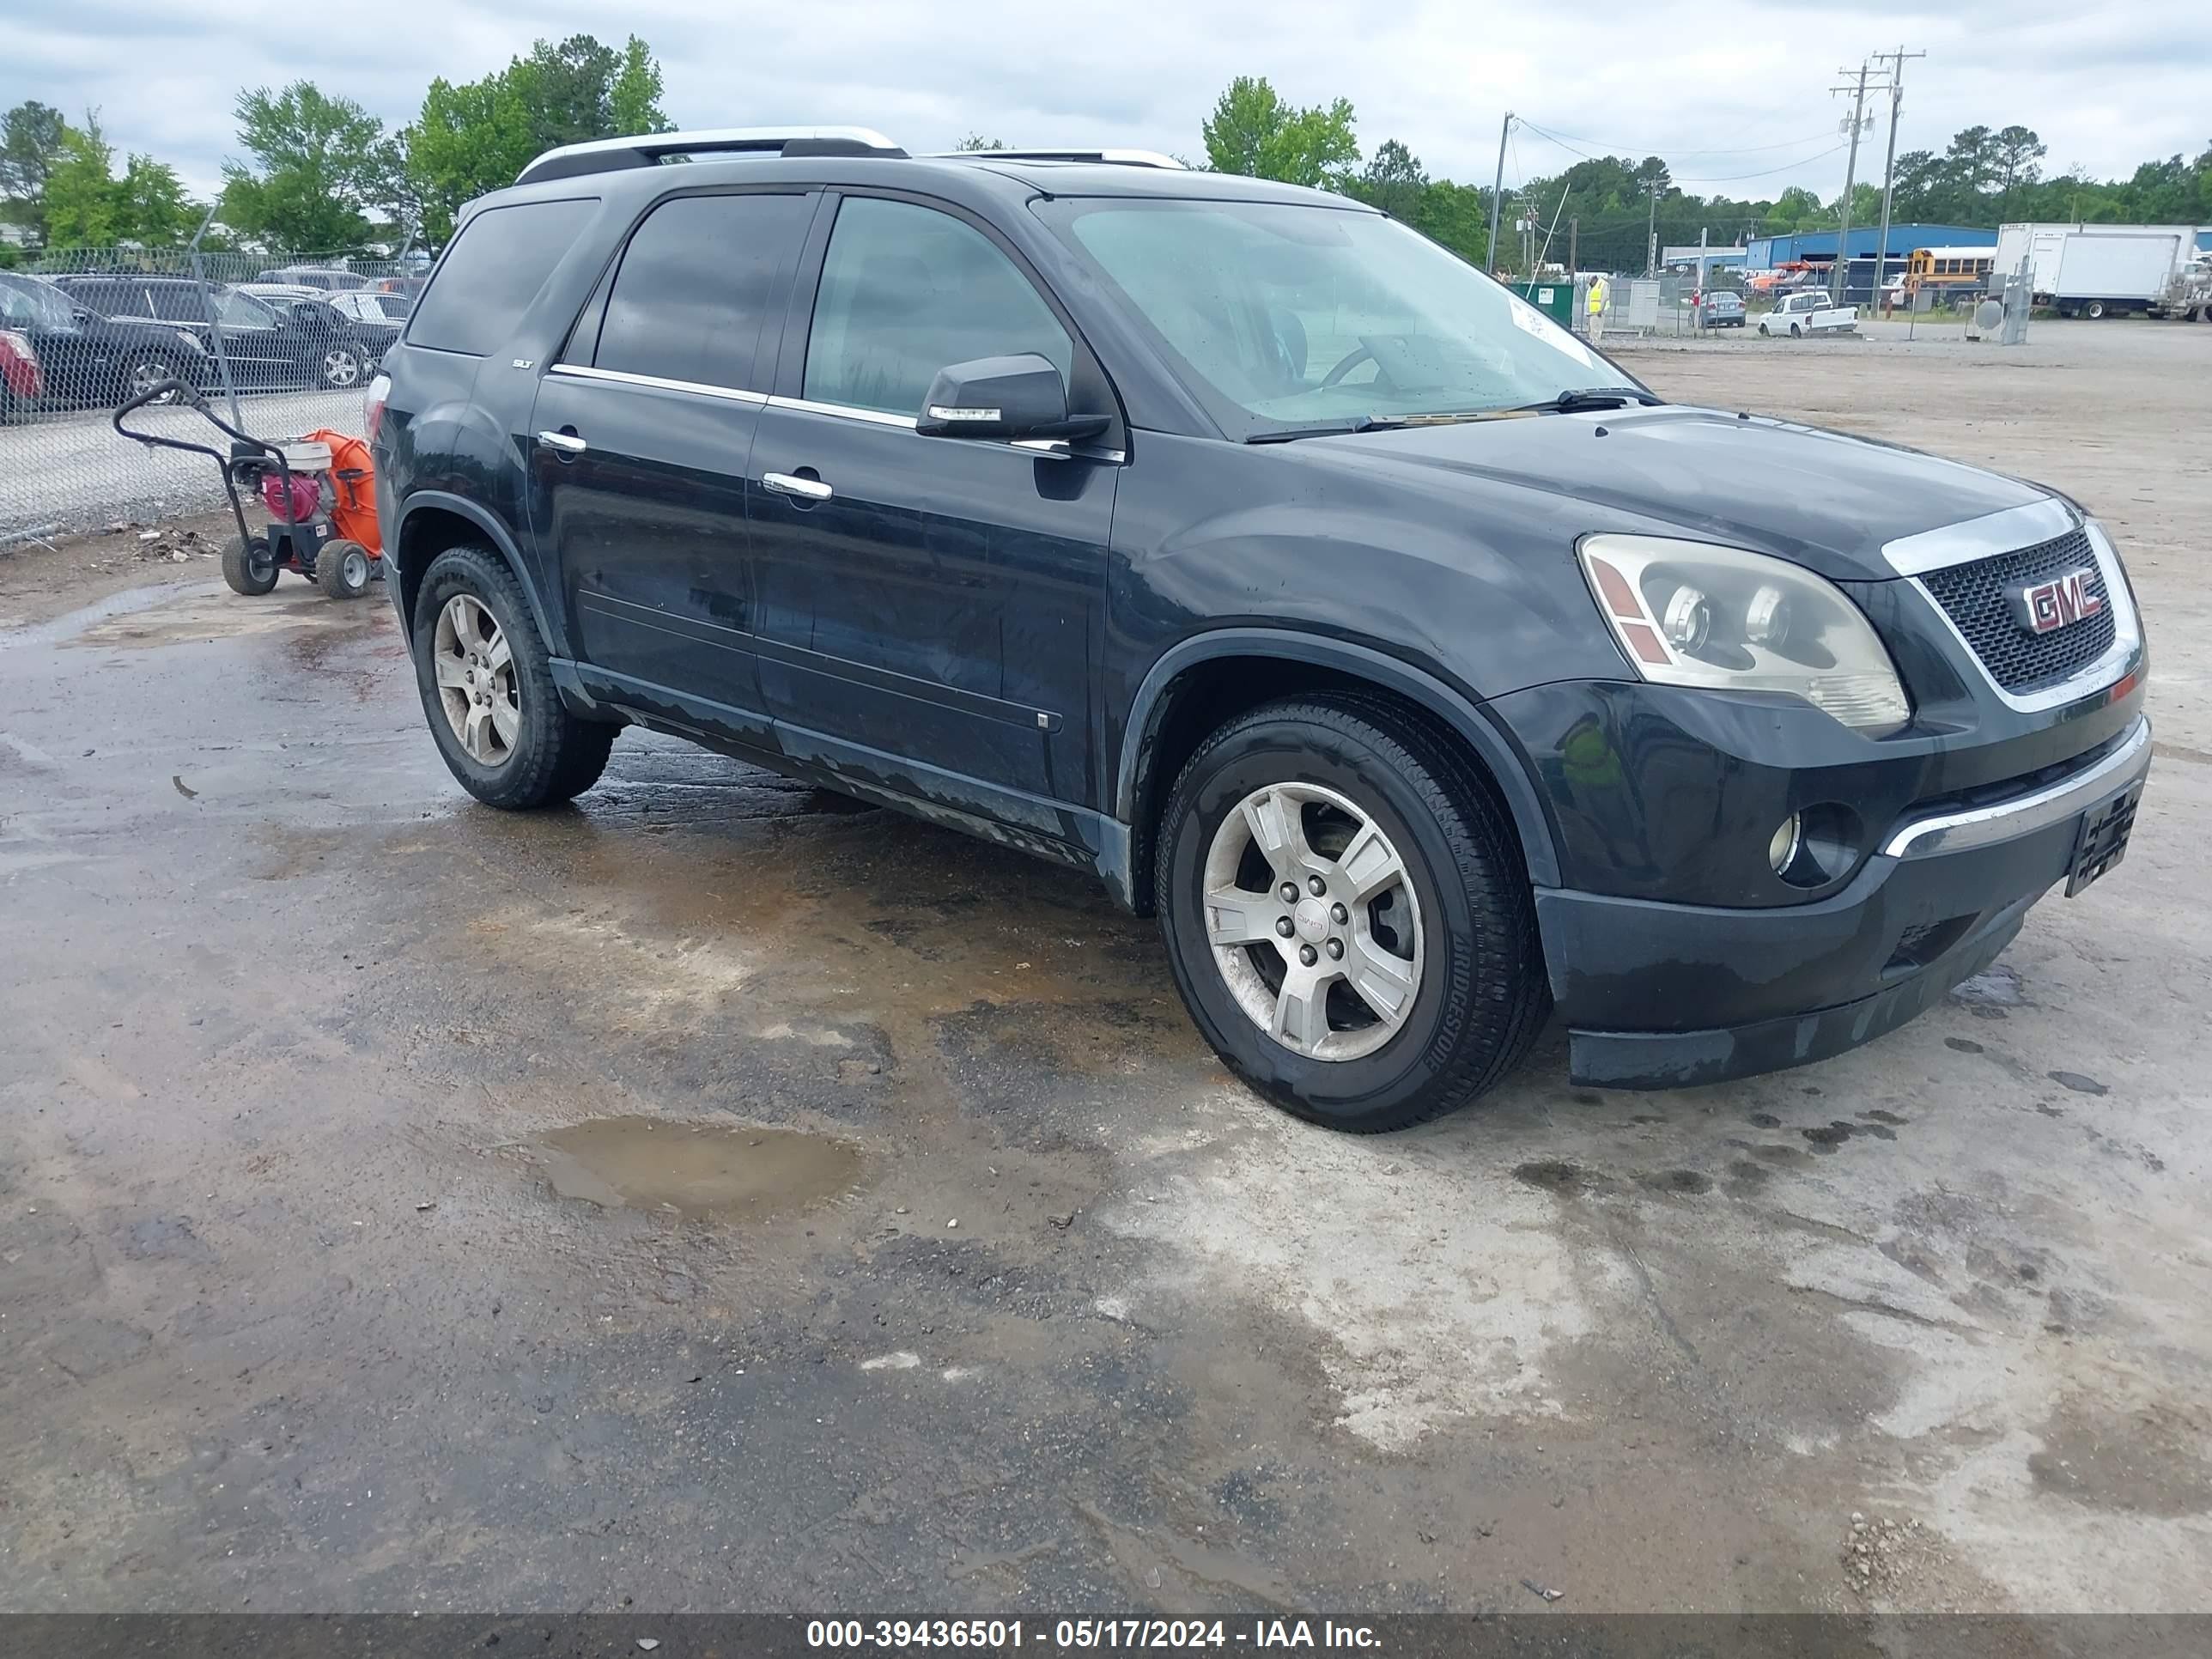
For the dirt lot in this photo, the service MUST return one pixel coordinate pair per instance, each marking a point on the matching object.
(717, 1197)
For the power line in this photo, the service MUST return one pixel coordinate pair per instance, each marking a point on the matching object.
(1787, 167)
(1744, 150)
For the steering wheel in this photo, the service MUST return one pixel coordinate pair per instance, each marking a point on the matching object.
(1351, 360)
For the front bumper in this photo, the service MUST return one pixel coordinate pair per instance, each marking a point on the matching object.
(1659, 996)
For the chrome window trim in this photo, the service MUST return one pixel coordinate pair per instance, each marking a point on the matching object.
(2123, 653)
(1978, 826)
(659, 382)
(2010, 530)
(1050, 448)
(846, 412)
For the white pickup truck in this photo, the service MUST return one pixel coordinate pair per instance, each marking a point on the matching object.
(1811, 312)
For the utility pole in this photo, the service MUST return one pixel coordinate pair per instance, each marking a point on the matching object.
(1837, 277)
(1651, 233)
(1574, 246)
(1497, 188)
(1889, 164)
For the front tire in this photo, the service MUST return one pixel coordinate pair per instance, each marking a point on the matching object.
(342, 569)
(341, 367)
(488, 689)
(1410, 979)
(250, 567)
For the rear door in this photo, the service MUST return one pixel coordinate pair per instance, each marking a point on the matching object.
(643, 431)
(926, 604)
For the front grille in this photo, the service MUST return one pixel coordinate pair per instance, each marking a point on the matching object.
(1973, 596)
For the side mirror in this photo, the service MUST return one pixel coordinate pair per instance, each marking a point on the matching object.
(80, 313)
(1018, 396)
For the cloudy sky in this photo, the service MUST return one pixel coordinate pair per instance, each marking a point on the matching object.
(1734, 92)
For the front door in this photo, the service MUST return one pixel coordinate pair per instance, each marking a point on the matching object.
(926, 604)
(641, 437)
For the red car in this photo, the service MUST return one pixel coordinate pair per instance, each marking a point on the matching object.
(22, 383)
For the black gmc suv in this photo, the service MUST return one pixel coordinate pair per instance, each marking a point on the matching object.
(1421, 669)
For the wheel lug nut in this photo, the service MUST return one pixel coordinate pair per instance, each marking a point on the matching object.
(1283, 927)
(1307, 955)
(1336, 949)
(1339, 914)
(1290, 892)
(1316, 885)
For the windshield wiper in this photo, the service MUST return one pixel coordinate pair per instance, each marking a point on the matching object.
(1284, 435)
(1591, 396)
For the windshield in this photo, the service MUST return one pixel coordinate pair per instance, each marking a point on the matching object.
(24, 303)
(1290, 316)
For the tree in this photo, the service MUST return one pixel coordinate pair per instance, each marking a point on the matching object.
(1253, 132)
(30, 148)
(975, 141)
(2014, 156)
(477, 136)
(318, 168)
(1458, 216)
(1394, 181)
(80, 199)
(150, 204)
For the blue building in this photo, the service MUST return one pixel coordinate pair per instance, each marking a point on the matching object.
(1819, 246)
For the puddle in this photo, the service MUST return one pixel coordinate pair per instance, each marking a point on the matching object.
(707, 1171)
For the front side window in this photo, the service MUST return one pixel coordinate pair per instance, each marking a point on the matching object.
(907, 290)
(1285, 315)
(698, 286)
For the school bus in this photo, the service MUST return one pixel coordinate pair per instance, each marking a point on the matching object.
(1950, 267)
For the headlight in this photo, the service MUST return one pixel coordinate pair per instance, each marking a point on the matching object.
(1689, 613)
(191, 339)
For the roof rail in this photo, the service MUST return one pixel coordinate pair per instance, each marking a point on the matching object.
(1128, 158)
(648, 149)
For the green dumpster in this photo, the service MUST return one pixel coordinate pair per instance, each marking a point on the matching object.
(1556, 300)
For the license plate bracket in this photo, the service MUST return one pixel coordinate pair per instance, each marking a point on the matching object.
(2102, 841)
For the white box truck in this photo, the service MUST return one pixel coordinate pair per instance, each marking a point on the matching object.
(2096, 271)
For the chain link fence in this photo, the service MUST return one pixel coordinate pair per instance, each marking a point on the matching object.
(277, 345)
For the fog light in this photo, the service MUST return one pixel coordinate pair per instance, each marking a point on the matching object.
(1782, 851)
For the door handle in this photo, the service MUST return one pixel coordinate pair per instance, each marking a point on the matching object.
(567, 442)
(807, 489)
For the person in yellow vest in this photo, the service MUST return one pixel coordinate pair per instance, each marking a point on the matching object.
(1597, 300)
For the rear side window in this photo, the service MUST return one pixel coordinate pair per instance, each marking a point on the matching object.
(907, 290)
(695, 286)
(492, 272)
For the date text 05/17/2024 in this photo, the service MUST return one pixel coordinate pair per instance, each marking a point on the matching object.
(988, 1634)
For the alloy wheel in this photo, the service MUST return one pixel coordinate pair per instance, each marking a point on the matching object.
(340, 367)
(476, 680)
(1313, 921)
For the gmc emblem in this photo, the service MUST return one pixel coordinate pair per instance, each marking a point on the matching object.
(2039, 607)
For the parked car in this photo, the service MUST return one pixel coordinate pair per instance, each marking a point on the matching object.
(374, 309)
(22, 384)
(1809, 312)
(87, 358)
(324, 277)
(1420, 669)
(266, 347)
(410, 284)
(316, 314)
(1723, 308)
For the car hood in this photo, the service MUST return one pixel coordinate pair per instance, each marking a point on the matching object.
(1820, 499)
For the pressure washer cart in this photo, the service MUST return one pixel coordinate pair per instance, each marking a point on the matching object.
(319, 492)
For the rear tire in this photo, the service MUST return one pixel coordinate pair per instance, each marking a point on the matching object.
(488, 689)
(2093, 310)
(342, 569)
(1457, 917)
(249, 567)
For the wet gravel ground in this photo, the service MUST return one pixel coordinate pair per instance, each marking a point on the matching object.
(718, 1196)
